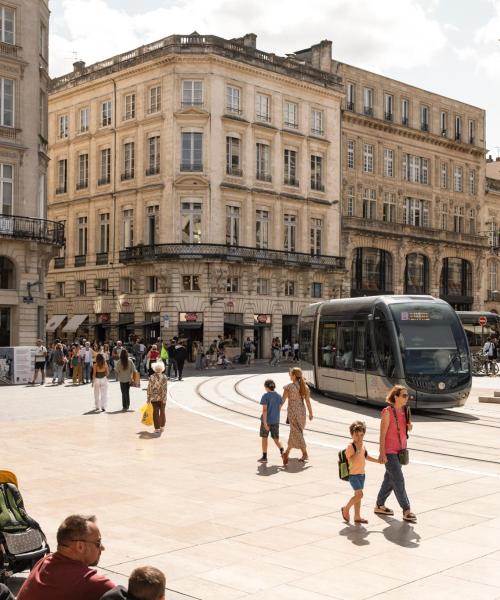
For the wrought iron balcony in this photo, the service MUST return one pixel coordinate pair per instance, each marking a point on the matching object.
(140, 254)
(233, 110)
(264, 117)
(59, 262)
(319, 132)
(80, 260)
(291, 125)
(368, 110)
(101, 258)
(349, 106)
(388, 116)
(38, 230)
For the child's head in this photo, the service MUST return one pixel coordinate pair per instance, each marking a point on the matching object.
(357, 430)
(269, 385)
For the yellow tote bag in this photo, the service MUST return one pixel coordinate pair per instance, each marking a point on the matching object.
(147, 414)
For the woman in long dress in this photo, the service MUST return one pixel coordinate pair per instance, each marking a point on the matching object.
(298, 396)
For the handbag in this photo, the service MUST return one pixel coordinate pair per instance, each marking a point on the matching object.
(403, 454)
(147, 414)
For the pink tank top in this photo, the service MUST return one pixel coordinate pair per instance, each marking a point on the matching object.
(392, 443)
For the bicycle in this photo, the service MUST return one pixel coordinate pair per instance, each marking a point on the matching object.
(482, 365)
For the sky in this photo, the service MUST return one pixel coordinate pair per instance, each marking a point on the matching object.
(450, 47)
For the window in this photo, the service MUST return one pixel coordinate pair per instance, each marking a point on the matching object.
(153, 155)
(368, 101)
(345, 346)
(263, 172)
(371, 271)
(191, 283)
(232, 225)
(60, 289)
(315, 237)
(81, 287)
(417, 274)
(472, 132)
(291, 114)
(424, 118)
(327, 344)
(458, 219)
(191, 222)
(233, 99)
(492, 278)
(151, 284)
(129, 107)
(351, 96)
(233, 284)
(458, 128)
(316, 290)
(263, 286)
(63, 130)
(289, 287)
(317, 173)
(472, 221)
(43, 41)
(416, 212)
(472, 182)
(443, 123)
(104, 166)
(424, 174)
(415, 169)
(192, 151)
(444, 175)
(388, 107)
(263, 107)
(290, 230)
(102, 286)
(106, 113)
(350, 202)
(458, 179)
(128, 160)
(290, 167)
(6, 189)
(7, 25)
(233, 153)
(444, 217)
(6, 102)
(154, 99)
(369, 203)
(388, 162)
(317, 119)
(262, 229)
(84, 120)
(82, 236)
(83, 172)
(456, 277)
(492, 235)
(192, 92)
(62, 176)
(128, 228)
(126, 285)
(42, 105)
(351, 154)
(152, 227)
(405, 111)
(104, 233)
(389, 207)
(368, 158)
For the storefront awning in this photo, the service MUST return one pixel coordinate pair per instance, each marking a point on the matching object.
(75, 322)
(54, 322)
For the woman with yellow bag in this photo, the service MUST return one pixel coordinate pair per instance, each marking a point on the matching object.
(157, 395)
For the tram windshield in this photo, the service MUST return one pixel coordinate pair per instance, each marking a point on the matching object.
(431, 339)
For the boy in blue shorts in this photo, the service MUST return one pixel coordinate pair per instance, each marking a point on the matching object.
(270, 420)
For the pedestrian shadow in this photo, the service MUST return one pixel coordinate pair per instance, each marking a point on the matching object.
(265, 471)
(296, 466)
(119, 411)
(401, 533)
(357, 534)
(148, 435)
(93, 411)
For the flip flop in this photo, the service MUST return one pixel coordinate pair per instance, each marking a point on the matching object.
(361, 521)
(410, 518)
(346, 519)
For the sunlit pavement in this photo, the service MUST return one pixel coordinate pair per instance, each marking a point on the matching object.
(195, 503)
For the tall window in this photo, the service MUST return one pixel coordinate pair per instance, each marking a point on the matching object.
(444, 175)
(263, 287)
(7, 25)
(388, 107)
(472, 182)
(492, 277)
(444, 217)
(192, 92)
(492, 234)
(317, 173)
(415, 169)
(443, 123)
(424, 118)
(62, 176)
(317, 118)
(82, 236)
(233, 99)
(458, 179)
(417, 274)
(368, 101)
(472, 221)
(83, 171)
(405, 111)
(369, 203)
(416, 212)
(129, 107)
(389, 207)
(289, 287)
(233, 156)
(350, 202)
(458, 219)
(368, 158)
(6, 102)
(63, 130)
(458, 128)
(104, 166)
(104, 232)
(191, 283)
(128, 160)
(233, 284)
(154, 99)
(128, 228)
(262, 229)
(290, 166)
(192, 151)
(290, 230)
(315, 236)
(232, 225)
(351, 154)
(152, 227)
(388, 162)
(106, 113)
(291, 114)
(263, 107)
(263, 162)
(191, 222)
(424, 175)
(6, 189)
(153, 155)
(84, 119)
(351, 96)
(472, 132)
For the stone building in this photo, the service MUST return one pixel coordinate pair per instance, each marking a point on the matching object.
(491, 274)
(198, 182)
(27, 239)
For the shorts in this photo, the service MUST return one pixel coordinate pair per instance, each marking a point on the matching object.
(274, 430)
(357, 482)
(40, 365)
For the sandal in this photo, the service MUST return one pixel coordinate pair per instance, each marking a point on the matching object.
(361, 521)
(346, 519)
(383, 510)
(410, 517)
(284, 456)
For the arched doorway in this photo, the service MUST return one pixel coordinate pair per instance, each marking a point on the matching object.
(371, 272)
(456, 283)
(417, 274)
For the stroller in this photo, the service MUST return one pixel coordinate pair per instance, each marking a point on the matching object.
(22, 542)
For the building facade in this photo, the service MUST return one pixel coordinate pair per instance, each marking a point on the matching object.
(27, 239)
(491, 275)
(198, 181)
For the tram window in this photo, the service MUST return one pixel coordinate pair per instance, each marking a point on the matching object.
(359, 347)
(383, 345)
(345, 346)
(327, 344)
(371, 363)
(305, 340)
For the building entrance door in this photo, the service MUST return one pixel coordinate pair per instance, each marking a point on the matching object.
(5, 325)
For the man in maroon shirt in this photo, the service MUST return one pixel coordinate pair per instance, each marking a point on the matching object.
(65, 574)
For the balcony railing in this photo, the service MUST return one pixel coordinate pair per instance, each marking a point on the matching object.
(139, 254)
(264, 117)
(405, 121)
(103, 180)
(263, 177)
(233, 110)
(186, 103)
(127, 175)
(61, 189)
(368, 110)
(8, 49)
(291, 125)
(101, 258)
(317, 186)
(153, 170)
(59, 262)
(424, 126)
(291, 181)
(349, 106)
(80, 260)
(319, 132)
(39, 230)
(388, 116)
(192, 167)
(235, 172)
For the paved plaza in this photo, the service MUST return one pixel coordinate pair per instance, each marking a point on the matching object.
(195, 503)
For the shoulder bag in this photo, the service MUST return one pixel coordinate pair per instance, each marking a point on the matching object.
(403, 454)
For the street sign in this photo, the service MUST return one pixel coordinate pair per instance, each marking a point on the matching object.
(482, 320)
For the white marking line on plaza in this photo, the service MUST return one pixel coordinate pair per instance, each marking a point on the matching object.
(331, 446)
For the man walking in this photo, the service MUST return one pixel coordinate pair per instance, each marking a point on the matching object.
(180, 358)
(40, 359)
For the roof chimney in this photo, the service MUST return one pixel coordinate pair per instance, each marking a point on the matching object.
(250, 40)
(79, 66)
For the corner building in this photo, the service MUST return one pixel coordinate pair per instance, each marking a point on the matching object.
(198, 179)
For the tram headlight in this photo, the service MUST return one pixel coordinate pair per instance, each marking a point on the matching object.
(441, 385)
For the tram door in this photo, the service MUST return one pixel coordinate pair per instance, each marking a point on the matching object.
(359, 363)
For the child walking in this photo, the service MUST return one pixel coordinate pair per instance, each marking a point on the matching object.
(357, 456)
(270, 420)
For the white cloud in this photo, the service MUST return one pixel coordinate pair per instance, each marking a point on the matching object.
(405, 34)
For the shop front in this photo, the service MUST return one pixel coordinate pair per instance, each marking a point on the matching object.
(262, 335)
(290, 329)
(190, 327)
(102, 320)
(53, 328)
(152, 327)
(125, 326)
(77, 328)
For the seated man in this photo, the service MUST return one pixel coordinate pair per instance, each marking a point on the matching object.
(145, 583)
(5, 593)
(65, 574)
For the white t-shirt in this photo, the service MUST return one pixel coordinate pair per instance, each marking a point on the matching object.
(40, 352)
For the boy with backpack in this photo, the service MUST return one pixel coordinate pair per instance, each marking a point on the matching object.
(271, 403)
(355, 455)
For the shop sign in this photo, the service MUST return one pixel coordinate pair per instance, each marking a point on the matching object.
(262, 319)
(103, 318)
(191, 317)
(125, 303)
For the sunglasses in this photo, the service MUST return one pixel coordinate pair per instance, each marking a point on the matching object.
(97, 544)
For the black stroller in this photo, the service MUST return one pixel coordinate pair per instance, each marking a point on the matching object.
(22, 541)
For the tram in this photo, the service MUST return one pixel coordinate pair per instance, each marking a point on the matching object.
(476, 333)
(356, 349)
